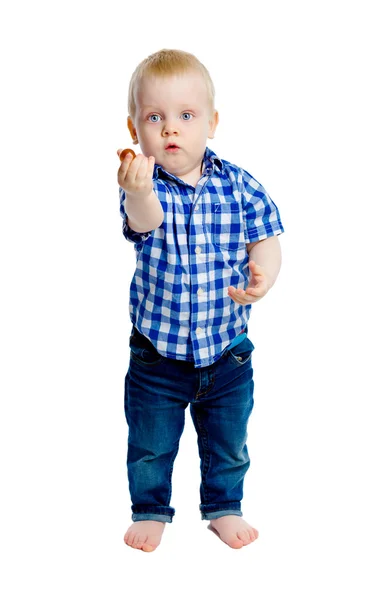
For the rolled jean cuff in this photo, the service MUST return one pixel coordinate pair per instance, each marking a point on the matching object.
(152, 517)
(221, 513)
(213, 511)
(152, 512)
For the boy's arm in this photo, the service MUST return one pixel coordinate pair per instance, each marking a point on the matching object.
(143, 213)
(264, 266)
(141, 205)
(267, 254)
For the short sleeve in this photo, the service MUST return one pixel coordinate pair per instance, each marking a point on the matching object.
(130, 235)
(262, 217)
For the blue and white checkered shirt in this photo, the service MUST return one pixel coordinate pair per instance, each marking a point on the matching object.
(178, 294)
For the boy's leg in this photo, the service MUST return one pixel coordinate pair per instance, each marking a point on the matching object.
(220, 413)
(155, 418)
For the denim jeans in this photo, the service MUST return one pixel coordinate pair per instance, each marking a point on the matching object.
(157, 392)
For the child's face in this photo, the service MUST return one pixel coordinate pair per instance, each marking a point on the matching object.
(174, 110)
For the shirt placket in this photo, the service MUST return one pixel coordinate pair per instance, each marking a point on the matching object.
(198, 260)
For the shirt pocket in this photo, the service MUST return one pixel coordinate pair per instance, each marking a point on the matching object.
(227, 226)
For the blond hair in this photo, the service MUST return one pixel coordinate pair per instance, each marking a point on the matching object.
(168, 62)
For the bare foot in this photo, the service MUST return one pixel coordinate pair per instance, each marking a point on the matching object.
(233, 530)
(144, 535)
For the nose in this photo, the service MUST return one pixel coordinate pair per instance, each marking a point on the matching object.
(169, 128)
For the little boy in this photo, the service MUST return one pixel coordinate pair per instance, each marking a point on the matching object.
(205, 235)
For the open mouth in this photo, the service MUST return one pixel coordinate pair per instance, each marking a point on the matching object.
(172, 147)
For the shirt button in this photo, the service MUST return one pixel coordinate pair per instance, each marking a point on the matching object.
(197, 207)
(198, 249)
(200, 291)
(198, 330)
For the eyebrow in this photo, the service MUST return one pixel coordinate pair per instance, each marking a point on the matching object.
(147, 106)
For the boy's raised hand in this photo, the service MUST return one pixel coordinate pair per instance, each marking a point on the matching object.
(257, 288)
(135, 175)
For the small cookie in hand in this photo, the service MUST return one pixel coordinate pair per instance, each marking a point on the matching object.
(124, 153)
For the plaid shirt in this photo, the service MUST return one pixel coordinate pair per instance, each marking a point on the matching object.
(178, 295)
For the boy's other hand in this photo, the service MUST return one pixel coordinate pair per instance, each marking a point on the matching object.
(257, 288)
(135, 175)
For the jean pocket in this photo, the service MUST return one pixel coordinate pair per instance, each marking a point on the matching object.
(143, 352)
(242, 353)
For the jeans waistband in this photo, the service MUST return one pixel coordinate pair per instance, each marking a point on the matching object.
(148, 344)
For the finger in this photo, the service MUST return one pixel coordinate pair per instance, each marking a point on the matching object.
(239, 299)
(134, 166)
(236, 293)
(258, 291)
(255, 292)
(143, 168)
(255, 268)
(251, 294)
(235, 298)
(239, 292)
(254, 286)
(124, 167)
(151, 163)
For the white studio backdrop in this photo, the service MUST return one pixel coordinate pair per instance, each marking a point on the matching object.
(297, 93)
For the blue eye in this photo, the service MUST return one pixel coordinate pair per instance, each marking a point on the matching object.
(154, 118)
(187, 116)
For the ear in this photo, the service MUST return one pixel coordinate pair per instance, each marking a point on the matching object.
(132, 130)
(213, 123)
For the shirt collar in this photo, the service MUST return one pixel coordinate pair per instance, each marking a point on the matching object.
(210, 160)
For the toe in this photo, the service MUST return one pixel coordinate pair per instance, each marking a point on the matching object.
(236, 543)
(252, 535)
(139, 541)
(128, 538)
(244, 536)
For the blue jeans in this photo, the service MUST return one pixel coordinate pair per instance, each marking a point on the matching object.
(157, 392)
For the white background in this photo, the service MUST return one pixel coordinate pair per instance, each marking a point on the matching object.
(297, 92)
